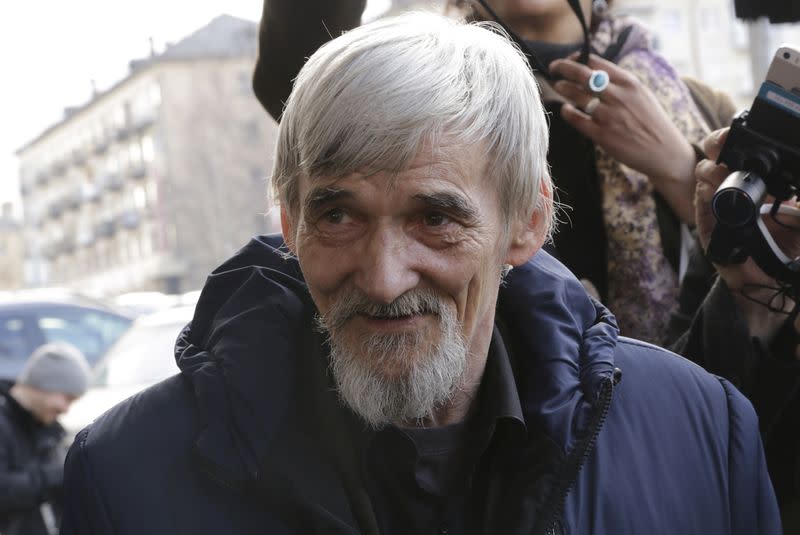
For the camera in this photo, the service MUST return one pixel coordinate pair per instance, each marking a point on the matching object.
(762, 152)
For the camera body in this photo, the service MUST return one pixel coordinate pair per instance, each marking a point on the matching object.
(762, 152)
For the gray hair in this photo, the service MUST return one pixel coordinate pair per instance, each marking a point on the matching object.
(369, 100)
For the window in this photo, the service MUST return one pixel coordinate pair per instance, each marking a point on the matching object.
(139, 197)
(148, 149)
(14, 346)
(112, 164)
(135, 153)
(91, 331)
(152, 191)
(155, 95)
(146, 356)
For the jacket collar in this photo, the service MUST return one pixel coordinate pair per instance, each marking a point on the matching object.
(563, 343)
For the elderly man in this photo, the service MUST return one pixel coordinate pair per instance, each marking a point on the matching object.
(398, 363)
(31, 449)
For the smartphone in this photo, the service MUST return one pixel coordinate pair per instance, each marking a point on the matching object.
(784, 70)
(776, 109)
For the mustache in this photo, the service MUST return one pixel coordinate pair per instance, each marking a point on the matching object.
(357, 303)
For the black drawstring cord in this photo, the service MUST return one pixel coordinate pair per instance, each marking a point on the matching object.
(584, 55)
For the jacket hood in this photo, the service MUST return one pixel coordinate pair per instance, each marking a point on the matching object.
(255, 317)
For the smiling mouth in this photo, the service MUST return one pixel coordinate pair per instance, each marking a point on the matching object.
(403, 320)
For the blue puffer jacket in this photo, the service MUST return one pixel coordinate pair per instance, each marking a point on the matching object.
(246, 439)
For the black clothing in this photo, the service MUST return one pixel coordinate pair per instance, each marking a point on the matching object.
(717, 337)
(581, 245)
(31, 470)
(778, 11)
(422, 480)
(287, 38)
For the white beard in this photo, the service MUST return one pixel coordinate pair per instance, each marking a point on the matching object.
(435, 368)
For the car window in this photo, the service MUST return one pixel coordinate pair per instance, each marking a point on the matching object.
(143, 355)
(14, 346)
(91, 331)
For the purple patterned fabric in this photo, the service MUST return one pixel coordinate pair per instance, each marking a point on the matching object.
(642, 285)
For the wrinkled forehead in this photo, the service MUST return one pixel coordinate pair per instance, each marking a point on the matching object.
(431, 170)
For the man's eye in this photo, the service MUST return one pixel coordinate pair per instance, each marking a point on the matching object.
(334, 216)
(435, 219)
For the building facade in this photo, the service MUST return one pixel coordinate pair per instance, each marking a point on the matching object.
(11, 249)
(153, 183)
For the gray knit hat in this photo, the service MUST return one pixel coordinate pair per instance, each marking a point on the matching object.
(56, 367)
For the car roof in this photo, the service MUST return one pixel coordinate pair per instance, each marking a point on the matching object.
(179, 314)
(33, 298)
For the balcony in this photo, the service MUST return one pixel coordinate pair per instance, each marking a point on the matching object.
(129, 219)
(85, 239)
(52, 249)
(123, 132)
(55, 209)
(78, 157)
(73, 199)
(100, 146)
(144, 121)
(112, 182)
(67, 246)
(89, 193)
(137, 171)
(106, 229)
(59, 168)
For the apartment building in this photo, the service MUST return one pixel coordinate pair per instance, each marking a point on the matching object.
(11, 249)
(154, 182)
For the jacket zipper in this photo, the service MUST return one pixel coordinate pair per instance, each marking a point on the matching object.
(575, 461)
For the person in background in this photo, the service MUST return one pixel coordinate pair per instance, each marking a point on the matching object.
(370, 372)
(621, 152)
(31, 448)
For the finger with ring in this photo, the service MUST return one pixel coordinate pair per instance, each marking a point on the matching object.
(598, 81)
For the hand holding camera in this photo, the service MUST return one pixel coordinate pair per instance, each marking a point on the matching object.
(757, 294)
(747, 210)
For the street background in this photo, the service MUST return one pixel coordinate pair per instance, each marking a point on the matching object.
(134, 157)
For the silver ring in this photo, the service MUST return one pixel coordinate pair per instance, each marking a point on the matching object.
(591, 106)
(598, 81)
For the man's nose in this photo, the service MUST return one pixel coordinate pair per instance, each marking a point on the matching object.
(386, 268)
(61, 403)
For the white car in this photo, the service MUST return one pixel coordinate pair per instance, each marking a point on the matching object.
(141, 357)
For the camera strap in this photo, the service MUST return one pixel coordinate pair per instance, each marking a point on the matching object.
(734, 245)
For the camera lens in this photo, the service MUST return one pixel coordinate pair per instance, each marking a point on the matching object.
(733, 208)
(786, 55)
(737, 200)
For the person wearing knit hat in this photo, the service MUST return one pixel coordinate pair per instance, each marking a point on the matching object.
(31, 440)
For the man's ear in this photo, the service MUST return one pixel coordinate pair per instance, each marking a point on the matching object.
(287, 229)
(528, 236)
